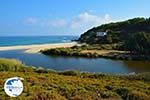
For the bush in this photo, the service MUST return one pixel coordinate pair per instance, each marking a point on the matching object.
(70, 73)
(123, 92)
(10, 65)
(109, 87)
(135, 95)
(106, 94)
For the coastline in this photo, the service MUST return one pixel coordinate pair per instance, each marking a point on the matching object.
(36, 48)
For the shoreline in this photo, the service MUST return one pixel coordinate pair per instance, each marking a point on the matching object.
(90, 52)
(62, 82)
(38, 47)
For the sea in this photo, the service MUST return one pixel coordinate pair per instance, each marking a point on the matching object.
(30, 40)
(63, 63)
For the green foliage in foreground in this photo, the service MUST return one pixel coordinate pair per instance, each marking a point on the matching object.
(40, 84)
(10, 65)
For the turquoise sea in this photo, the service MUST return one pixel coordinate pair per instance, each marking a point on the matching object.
(29, 40)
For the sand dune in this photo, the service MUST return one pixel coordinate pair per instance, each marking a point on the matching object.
(37, 48)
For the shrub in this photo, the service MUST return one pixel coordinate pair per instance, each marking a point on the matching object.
(109, 87)
(70, 73)
(123, 92)
(41, 95)
(105, 94)
(136, 95)
(10, 65)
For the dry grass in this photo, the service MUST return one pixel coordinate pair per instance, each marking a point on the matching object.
(104, 52)
(40, 84)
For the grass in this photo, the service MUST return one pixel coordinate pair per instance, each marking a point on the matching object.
(97, 51)
(84, 51)
(40, 84)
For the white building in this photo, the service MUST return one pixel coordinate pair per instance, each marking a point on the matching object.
(101, 34)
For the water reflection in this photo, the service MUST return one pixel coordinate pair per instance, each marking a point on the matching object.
(138, 66)
(78, 63)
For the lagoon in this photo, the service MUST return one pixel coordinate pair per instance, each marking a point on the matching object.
(60, 63)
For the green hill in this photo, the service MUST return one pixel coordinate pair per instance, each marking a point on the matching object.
(133, 34)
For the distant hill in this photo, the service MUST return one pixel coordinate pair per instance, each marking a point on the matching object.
(116, 32)
(132, 35)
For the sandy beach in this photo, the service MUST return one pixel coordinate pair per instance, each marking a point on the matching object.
(37, 48)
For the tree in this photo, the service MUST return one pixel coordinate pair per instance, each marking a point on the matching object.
(109, 39)
(138, 42)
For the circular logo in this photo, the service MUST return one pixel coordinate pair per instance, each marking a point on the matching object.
(13, 86)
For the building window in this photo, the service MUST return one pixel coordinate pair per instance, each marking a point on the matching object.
(101, 34)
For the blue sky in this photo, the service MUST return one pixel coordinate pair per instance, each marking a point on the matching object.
(64, 17)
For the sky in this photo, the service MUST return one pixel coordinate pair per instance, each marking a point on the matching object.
(65, 17)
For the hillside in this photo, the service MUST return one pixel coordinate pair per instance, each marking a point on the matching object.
(133, 34)
(40, 84)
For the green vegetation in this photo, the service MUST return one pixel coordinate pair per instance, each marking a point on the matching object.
(139, 42)
(40, 84)
(10, 65)
(133, 34)
(95, 51)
